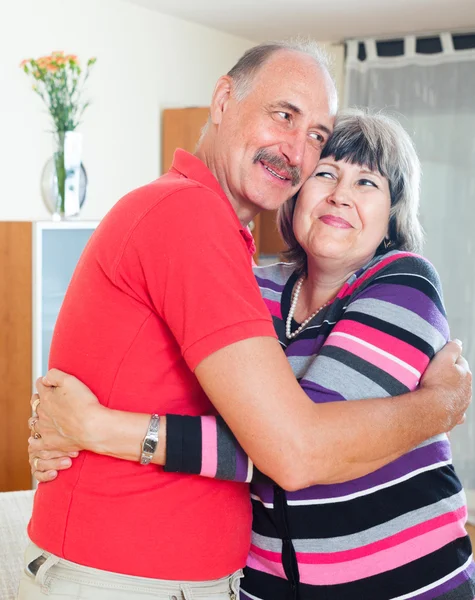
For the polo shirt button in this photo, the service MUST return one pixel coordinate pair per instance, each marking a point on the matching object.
(174, 598)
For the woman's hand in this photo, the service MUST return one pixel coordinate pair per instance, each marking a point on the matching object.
(67, 417)
(65, 414)
(449, 377)
(45, 464)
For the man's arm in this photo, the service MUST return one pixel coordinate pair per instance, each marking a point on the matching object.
(306, 443)
(393, 325)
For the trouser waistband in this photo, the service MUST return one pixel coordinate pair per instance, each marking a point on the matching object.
(45, 567)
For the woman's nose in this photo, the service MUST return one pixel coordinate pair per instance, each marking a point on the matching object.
(340, 196)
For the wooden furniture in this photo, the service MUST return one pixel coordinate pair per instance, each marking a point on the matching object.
(36, 264)
(15, 353)
(471, 533)
(181, 128)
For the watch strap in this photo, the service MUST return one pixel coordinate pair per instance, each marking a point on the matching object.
(150, 441)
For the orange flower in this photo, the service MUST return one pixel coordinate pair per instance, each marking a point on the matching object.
(43, 61)
(52, 74)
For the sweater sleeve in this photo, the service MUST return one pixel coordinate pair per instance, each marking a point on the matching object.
(393, 325)
(206, 446)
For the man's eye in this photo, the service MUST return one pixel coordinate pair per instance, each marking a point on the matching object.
(284, 115)
(317, 136)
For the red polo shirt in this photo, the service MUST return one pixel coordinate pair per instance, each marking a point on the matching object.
(165, 281)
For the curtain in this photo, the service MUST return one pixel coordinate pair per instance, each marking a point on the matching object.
(433, 96)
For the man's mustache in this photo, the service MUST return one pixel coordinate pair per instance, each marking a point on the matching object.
(293, 173)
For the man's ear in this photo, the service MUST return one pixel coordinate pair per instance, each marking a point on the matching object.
(220, 99)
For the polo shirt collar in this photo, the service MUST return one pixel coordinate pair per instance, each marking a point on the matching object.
(193, 168)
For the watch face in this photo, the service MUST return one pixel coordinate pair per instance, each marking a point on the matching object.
(149, 445)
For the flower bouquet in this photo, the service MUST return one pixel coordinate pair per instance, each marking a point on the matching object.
(59, 81)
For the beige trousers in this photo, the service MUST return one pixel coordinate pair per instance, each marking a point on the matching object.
(60, 579)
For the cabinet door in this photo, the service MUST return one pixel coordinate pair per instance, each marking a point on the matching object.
(181, 128)
(58, 251)
(271, 245)
(15, 354)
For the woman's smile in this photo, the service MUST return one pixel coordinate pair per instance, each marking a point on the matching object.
(335, 221)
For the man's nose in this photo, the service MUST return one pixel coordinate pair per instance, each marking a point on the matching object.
(293, 147)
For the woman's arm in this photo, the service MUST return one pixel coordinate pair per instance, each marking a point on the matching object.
(206, 446)
(369, 430)
(380, 348)
(196, 445)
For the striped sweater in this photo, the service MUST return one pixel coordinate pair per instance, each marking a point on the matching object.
(396, 533)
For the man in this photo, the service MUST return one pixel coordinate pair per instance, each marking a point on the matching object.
(163, 315)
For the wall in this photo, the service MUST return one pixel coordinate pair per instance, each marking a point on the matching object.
(146, 62)
(336, 53)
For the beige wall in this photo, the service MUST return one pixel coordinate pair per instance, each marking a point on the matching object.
(146, 62)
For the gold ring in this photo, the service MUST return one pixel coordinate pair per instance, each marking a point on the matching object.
(34, 406)
(36, 435)
(35, 463)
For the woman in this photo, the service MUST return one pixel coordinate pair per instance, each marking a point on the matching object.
(359, 315)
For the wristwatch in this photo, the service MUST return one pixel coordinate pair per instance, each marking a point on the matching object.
(150, 441)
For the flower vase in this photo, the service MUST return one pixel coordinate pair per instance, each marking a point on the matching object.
(67, 163)
(64, 179)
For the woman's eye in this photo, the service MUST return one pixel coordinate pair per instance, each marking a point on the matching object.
(324, 174)
(367, 182)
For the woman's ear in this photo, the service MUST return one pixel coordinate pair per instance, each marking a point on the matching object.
(388, 230)
(220, 99)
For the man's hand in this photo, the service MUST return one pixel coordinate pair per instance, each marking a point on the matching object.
(449, 378)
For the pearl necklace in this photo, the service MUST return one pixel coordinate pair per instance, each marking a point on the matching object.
(293, 306)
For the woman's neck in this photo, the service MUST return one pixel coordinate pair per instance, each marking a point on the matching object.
(319, 287)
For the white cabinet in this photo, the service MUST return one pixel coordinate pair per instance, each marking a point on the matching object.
(56, 251)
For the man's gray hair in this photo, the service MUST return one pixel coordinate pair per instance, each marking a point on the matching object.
(253, 59)
(379, 142)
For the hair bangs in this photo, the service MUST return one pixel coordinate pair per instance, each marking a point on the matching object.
(355, 147)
